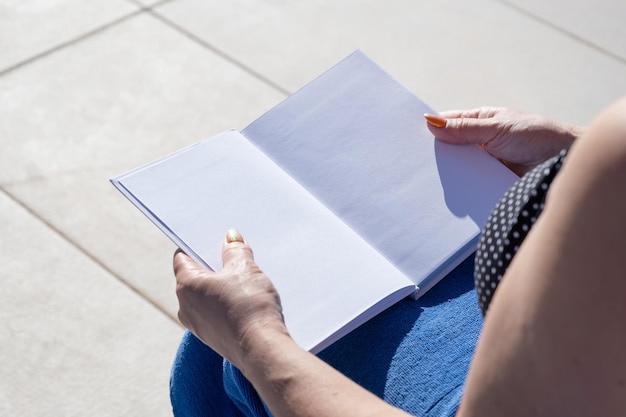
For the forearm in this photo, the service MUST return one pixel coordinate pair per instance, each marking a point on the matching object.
(294, 382)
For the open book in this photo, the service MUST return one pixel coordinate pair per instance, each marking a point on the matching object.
(346, 198)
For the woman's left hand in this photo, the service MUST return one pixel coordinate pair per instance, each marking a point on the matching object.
(227, 309)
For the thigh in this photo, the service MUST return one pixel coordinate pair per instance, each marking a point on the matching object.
(414, 356)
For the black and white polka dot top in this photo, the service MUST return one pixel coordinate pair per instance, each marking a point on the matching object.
(508, 225)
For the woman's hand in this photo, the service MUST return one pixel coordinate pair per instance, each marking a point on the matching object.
(227, 309)
(237, 312)
(520, 140)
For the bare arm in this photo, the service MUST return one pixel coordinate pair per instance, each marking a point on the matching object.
(295, 383)
(554, 341)
(237, 312)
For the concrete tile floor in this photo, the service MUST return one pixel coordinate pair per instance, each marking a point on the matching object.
(91, 89)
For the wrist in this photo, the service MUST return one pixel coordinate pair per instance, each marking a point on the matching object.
(556, 136)
(569, 133)
(576, 131)
(259, 346)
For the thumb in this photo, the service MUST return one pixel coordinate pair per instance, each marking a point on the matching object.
(235, 249)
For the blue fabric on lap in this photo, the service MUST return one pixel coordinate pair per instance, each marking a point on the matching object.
(196, 383)
(414, 355)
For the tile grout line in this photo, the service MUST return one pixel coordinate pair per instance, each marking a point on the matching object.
(91, 257)
(49, 225)
(563, 31)
(149, 10)
(141, 10)
(70, 42)
(150, 7)
(217, 51)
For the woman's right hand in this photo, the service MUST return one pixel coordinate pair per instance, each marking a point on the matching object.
(520, 140)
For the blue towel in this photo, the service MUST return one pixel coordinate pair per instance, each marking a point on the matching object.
(415, 356)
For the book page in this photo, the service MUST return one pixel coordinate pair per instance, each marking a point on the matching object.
(326, 274)
(357, 140)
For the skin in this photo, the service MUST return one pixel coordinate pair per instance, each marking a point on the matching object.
(519, 140)
(237, 312)
(553, 339)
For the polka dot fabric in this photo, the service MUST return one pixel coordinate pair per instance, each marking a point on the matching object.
(508, 225)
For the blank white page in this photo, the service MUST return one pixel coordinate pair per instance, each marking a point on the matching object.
(357, 140)
(326, 274)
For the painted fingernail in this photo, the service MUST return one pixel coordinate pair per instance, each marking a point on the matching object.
(435, 120)
(233, 236)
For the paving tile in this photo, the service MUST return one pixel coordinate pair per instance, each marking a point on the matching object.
(132, 93)
(600, 22)
(91, 213)
(75, 340)
(28, 28)
(452, 53)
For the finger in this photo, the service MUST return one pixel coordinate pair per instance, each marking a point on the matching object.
(463, 126)
(435, 120)
(235, 249)
(477, 113)
(465, 131)
(183, 263)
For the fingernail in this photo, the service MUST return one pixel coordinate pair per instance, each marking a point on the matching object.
(233, 236)
(435, 120)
